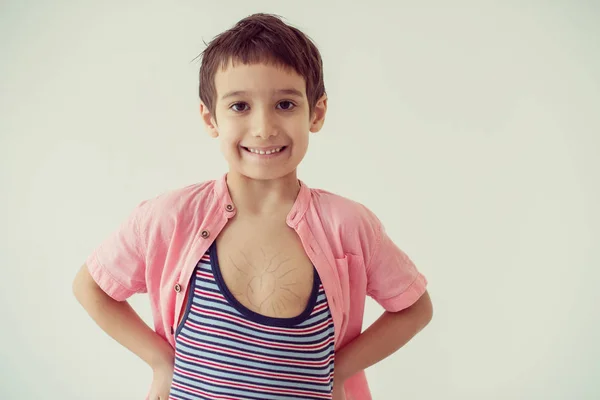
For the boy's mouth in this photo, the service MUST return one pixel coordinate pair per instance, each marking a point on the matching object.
(264, 151)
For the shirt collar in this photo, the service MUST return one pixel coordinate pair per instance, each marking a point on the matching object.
(298, 210)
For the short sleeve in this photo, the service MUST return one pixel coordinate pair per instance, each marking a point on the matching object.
(392, 278)
(118, 264)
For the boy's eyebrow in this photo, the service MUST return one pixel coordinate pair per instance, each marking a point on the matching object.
(291, 92)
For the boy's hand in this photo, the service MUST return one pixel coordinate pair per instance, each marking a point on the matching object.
(161, 382)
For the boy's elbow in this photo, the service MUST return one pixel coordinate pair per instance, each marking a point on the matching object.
(82, 283)
(429, 308)
(424, 310)
(429, 314)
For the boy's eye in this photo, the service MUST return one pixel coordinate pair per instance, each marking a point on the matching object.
(286, 105)
(239, 107)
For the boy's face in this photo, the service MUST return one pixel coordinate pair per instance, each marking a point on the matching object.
(262, 119)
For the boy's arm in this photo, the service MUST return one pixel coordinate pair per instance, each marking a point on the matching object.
(385, 336)
(121, 322)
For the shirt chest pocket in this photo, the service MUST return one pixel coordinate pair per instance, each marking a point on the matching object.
(352, 282)
(342, 266)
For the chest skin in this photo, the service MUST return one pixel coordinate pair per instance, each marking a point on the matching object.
(265, 267)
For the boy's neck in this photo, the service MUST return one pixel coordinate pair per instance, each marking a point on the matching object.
(254, 197)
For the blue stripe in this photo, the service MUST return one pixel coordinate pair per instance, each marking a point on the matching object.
(243, 363)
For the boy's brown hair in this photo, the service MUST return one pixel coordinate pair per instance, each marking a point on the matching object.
(262, 38)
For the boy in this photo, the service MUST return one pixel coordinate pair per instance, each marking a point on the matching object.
(257, 283)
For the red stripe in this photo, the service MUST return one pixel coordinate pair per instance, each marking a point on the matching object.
(201, 329)
(206, 273)
(254, 372)
(234, 384)
(268, 329)
(190, 389)
(252, 357)
(319, 308)
(205, 293)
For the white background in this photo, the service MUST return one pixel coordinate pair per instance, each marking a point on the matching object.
(472, 130)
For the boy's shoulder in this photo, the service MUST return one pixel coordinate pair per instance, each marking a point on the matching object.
(172, 205)
(336, 203)
(343, 212)
(179, 199)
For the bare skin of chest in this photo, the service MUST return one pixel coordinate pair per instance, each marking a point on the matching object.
(265, 267)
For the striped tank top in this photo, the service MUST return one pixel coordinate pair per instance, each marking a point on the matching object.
(224, 350)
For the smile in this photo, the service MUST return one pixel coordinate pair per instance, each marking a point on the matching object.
(264, 151)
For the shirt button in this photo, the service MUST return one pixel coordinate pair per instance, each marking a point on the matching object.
(205, 234)
(177, 287)
(229, 207)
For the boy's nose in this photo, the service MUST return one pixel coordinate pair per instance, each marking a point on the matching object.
(263, 126)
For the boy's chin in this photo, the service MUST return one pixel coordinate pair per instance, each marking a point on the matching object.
(265, 174)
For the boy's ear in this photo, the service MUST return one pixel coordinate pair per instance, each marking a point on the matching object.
(209, 122)
(318, 114)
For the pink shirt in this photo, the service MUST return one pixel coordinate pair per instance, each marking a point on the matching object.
(157, 248)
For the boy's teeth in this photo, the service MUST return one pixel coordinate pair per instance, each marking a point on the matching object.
(262, 152)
